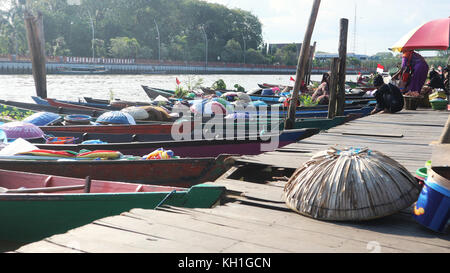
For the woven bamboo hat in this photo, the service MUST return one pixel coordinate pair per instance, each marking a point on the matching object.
(350, 185)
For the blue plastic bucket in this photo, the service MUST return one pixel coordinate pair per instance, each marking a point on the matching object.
(433, 206)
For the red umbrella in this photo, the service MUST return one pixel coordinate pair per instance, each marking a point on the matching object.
(434, 35)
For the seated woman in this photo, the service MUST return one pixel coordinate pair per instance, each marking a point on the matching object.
(321, 96)
(436, 80)
(388, 96)
(413, 72)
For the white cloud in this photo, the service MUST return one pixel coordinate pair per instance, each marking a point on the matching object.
(380, 23)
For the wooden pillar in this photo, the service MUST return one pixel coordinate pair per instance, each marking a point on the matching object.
(301, 66)
(342, 67)
(35, 34)
(310, 63)
(333, 87)
(445, 137)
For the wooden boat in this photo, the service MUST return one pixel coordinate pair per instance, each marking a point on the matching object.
(161, 132)
(82, 70)
(211, 146)
(53, 109)
(105, 106)
(34, 206)
(153, 93)
(57, 103)
(180, 172)
(116, 101)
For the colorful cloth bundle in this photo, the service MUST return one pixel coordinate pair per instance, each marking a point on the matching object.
(61, 140)
(106, 154)
(160, 154)
(50, 153)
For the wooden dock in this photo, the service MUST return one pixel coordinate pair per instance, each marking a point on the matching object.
(254, 219)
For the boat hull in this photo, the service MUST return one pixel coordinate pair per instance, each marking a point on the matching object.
(245, 145)
(171, 172)
(28, 217)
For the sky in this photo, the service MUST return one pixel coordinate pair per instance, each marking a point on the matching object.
(379, 23)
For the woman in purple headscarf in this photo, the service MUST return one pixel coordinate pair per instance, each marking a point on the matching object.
(414, 71)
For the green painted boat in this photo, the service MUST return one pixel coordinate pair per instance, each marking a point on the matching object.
(300, 123)
(35, 206)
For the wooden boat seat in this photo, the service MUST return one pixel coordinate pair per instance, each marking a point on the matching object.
(139, 188)
(47, 181)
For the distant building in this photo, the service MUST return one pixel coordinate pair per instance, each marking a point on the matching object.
(326, 56)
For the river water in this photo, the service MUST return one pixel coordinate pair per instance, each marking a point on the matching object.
(124, 87)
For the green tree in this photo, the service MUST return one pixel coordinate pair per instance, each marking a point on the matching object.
(232, 52)
(124, 47)
(255, 57)
(286, 55)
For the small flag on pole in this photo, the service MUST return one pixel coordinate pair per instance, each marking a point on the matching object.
(178, 82)
(292, 79)
(380, 68)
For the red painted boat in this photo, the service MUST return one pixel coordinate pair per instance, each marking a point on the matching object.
(55, 103)
(168, 172)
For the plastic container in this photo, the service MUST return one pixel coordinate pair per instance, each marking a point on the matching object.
(439, 104)
(432, 209)
(77, 119)
(421, 175)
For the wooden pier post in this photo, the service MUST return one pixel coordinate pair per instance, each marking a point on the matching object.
(333, 87)
(301, 66)
(445, 137)
(35, 34)
(342, 67)
(310, 63)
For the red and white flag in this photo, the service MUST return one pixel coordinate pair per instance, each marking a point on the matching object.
(178, 82)
(380, 68)
(292, 79)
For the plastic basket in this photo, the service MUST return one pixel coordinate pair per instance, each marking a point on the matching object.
(411, 103)
(439, 104)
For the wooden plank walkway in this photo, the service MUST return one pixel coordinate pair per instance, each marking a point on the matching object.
(255, 219)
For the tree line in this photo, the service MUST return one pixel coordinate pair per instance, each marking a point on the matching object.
(176, 30)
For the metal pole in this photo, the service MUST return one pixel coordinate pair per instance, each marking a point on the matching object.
(245, 46)
(206, 46)
(93, 35)
(159, 41)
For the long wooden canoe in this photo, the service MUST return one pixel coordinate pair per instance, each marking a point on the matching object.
(211, 146)
(35, 206)
(53, 109)
(161, 132)
(183, 172)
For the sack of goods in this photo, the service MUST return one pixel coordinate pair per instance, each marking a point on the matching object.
(350, 185)
(137, 113)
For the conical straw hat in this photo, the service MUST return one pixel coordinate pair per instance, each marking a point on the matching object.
(350, 185)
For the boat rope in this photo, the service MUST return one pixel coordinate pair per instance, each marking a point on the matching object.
(165, 198)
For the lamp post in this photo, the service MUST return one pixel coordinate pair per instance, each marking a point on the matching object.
(245, 46)
(159, 41)
(78, 3)
(206, 45)
(93, 35)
